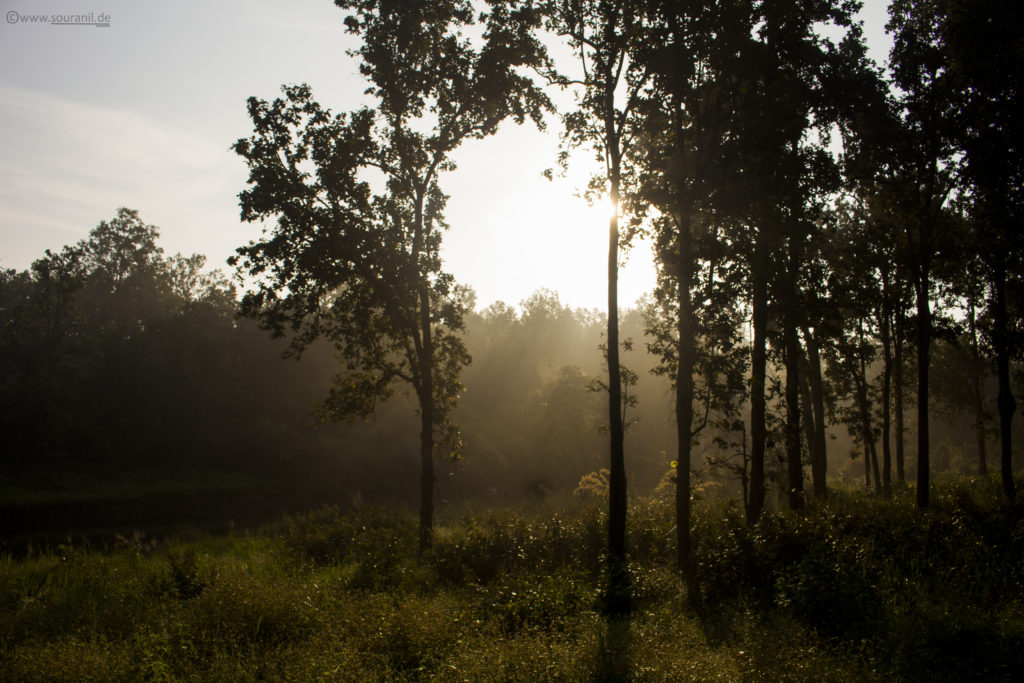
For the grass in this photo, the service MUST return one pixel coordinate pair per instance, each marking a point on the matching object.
(856, 590)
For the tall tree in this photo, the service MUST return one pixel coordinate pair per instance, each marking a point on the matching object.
(692, 57)
(602, 35)
(855, 290)
(923, 177)
(361, 267)
(868, 167)
(796, 93)
(984, 48)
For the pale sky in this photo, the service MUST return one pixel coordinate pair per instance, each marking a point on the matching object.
(142, 114)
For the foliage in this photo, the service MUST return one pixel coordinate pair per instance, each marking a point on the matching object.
(859, 589)
(110, 347)
(360, 266)
(594, 484)
(350, 265)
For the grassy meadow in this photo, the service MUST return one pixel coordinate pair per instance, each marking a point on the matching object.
(858, 589)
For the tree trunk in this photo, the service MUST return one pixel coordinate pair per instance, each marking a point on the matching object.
(887, 419)
(819, 449)
(1007, 404)
(865, 422)
(869, 433)
(426, 397)
(979, 413)
(858, 367)
(618, 577)
(684, 393)
(794, 465)
(873, 451)
(924, 329)
(758, 371)
(745, 469)
(897, 361)
(807, 411)
(885, 330)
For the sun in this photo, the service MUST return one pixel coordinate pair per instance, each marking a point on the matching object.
(546, 238)
(514, 232)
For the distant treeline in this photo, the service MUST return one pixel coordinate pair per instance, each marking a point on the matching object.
(123, 367)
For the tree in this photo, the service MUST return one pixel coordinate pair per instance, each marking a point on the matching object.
(983, 48)
(603, 34)
(796, 91)
(359, 266)
(105, 358)
(692, 58)
(922, 173)
(40, 325)
(856, 291)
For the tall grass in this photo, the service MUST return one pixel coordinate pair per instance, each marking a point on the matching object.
(858, 588)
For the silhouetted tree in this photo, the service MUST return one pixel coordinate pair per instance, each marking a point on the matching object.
(691, 55)
(361, 267)
(796, 89)
(603, 34)
(922, 175)
(982, 47)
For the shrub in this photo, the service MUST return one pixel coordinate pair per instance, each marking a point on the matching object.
(547, 602)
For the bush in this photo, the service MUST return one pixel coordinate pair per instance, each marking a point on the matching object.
(374, 544)
(859, 588)
(475, 552)
(548, 603)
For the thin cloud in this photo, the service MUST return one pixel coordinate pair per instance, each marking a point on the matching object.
(69, 164)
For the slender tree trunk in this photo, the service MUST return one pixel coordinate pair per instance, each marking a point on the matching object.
(897, 361)
(859, 368)
(807, 411)
(819, 449)
(618, 576)
(791, 322)
(865, 419)
(758, 371)
(873, 451)
(794, 464)
(745, 469)
(684, 392)
(887, 420)
(924, 330)
(865, 430)
(425, 388)
(885, 330)
(1007, 404)
(426, 398)
(870, 433)
(979, 413)
(617, 480)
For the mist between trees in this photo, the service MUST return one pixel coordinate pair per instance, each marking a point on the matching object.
(128, 373)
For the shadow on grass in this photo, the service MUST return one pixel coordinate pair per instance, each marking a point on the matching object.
(615, 647)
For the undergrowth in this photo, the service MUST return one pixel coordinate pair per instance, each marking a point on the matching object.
(857, 588)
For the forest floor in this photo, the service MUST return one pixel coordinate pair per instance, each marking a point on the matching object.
(857, 588)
